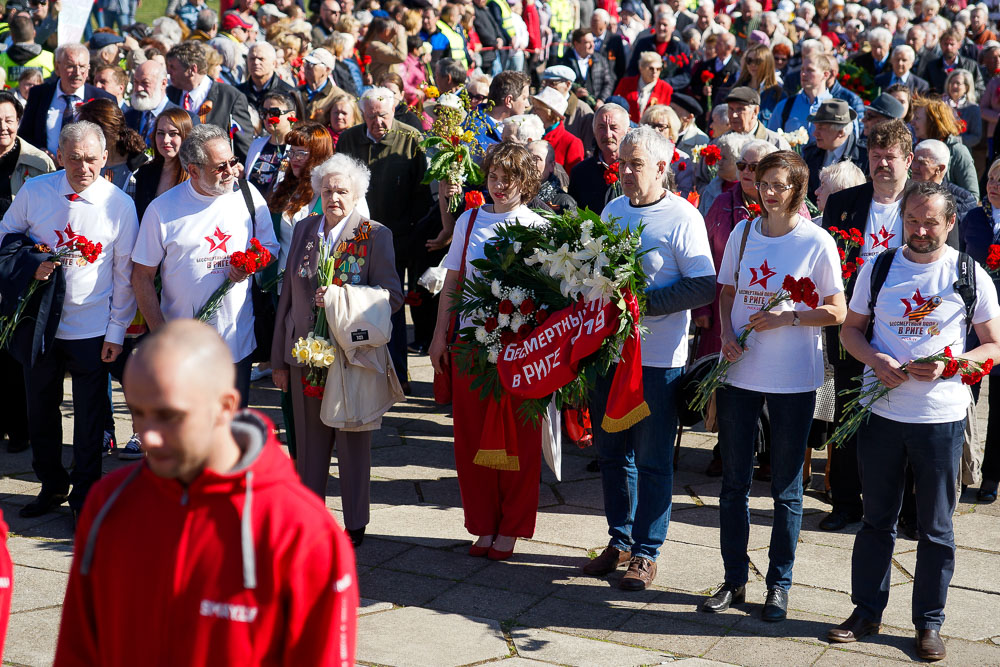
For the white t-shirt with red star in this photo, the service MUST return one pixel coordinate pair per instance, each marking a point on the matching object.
(884, 229)
(917, 314)
(787, 359)
(191, 236)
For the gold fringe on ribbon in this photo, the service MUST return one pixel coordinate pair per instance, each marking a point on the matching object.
(498, 459)
(635, 415)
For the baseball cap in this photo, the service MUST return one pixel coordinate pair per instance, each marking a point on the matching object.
(321, 57)
(234, 20)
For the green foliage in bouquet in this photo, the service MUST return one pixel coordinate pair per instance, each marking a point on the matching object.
(528, 274)
(858, 80)
(451, 147)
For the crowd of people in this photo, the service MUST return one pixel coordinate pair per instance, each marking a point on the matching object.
(737, 136)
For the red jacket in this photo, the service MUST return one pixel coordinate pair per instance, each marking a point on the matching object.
(568, 148)
(244, 568)
(628, 88)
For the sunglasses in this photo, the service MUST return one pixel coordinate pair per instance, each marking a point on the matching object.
(229, 164)
(742, 166)
(275, 111)
(754, 61)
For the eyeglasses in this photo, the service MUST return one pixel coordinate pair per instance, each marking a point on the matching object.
(228, 164)
(780, 188)
(297, 153)
(752, 166)
(275, 111)
(659, 127)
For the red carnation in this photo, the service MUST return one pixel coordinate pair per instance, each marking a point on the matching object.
(524, 330)
(987, 366)
(611, 173)
(711, 154)
(541, 315)
(474, 199)
(788, 284)
(490, 324)
(706, 76)
(682, 166)
(507, 337)
(527, 307)
(506, 307)
(950, 369)
(273, 120)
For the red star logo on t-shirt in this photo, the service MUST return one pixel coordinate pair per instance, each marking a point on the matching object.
(761, 278)
(219, 241)
(881, 238)
(66, 237)
(918, 301)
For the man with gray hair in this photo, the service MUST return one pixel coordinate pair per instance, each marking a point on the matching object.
(607, 43)
(262, 60)
(81, 321)
(636, 467)
(188, 235)
(149, 99)
(397, 197)
(902, 60)
(53, 105)
(877, 59)
(590, 182)
(930, 164)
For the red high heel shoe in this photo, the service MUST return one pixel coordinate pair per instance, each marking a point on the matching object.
(479, 552)
(494, 554)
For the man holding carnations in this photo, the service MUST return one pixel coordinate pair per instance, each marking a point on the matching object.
(90, 304)
(188, 235)
(636, 466)
(595, 181)
(918, 311)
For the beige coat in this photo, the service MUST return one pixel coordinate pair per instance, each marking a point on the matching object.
(30, 163)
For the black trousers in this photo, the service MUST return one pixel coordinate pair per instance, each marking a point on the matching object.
(14, 406)
(44, 388)
(991, 459)
(845, 481)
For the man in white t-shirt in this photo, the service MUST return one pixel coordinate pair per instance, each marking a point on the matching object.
(873, 209)
(189, 233)
(58, 209)
(918, 311)
(637, 463)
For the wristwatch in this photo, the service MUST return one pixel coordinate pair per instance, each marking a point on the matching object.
(795, 319)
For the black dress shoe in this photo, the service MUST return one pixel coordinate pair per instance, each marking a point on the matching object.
(929, 645)
(837, 520)
(724, 598)
(987, 491)
(854, 628)
(775, 606)
(357, 536)
(17, 446)
(43, 504)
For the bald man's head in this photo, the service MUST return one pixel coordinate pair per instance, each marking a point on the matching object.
(179, 385)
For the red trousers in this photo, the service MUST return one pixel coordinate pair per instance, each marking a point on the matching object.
(6, 582)
(496, 502)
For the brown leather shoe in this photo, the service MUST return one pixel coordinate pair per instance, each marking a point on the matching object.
(609, 561)
(854, 628)
(641, 572)
(929, 645)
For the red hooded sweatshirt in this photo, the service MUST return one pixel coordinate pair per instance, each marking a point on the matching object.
(242, 568)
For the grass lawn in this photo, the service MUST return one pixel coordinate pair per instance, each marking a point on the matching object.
(152, 9)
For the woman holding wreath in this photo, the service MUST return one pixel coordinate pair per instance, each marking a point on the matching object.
(341, 182)
(500, 505)
(782, 365)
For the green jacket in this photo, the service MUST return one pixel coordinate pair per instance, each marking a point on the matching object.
(396, 197)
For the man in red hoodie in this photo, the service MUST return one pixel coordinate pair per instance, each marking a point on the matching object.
(237, 562)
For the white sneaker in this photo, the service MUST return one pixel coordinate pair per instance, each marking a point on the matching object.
(132, 450)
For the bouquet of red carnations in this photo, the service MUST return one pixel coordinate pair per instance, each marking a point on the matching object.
(89, 252)
(846, 240)
(857, 409)
(253, 260)
(802, 290)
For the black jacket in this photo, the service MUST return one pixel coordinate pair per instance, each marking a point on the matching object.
(915, 83)
(275, 85)
(18, 261)
(677, 75)
(40, 98)
(228, 105)
(935, 74)
(133, 119)
(341, 76)
(613, 48)
(866, 61)
(146, 181)
(722, 81)
(814, 157)
(489, 31)
(600, 80)
(587, 186)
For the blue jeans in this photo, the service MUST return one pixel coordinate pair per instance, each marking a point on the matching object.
(933, 451)
(637, 464)
(790, 419)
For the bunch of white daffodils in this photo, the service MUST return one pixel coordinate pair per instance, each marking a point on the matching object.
(314, 351)
(799, 137)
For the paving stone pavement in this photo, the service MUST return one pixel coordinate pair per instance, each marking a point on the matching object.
(425, 602)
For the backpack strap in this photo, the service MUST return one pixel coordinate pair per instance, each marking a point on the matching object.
(965, 286)
(739, 260)
(786, 111)
(879, 273)
(248, 200)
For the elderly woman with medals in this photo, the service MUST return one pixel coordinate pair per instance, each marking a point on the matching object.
(335, 258)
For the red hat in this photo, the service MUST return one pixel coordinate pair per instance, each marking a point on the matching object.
(234, 20)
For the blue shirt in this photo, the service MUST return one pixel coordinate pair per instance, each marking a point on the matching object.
(801, 110)
(486, 129)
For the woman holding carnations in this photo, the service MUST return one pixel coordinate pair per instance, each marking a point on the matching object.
(365, 257)
(781, 365)
(977, 235)
(499, 505)
(727, 175)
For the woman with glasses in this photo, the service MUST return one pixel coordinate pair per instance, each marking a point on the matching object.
(782, 54)
(266, 154)
(646, 88)
(758, 72)
(727, 176)
(977, 232)
(781, 366)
